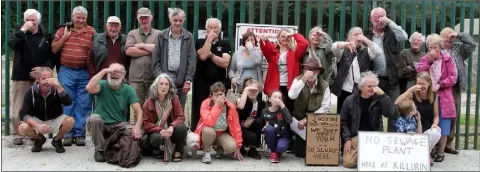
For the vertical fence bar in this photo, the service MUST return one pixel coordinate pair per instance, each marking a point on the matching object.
(469, 79)
(251, 11)
(7, 66)
(424, 20)
(434, 17)
(151, 7)
(297, 14)
(452, 25)
(354, 15)
(84, 3)
(320, 13)
(477, 102)
(128, 24)
(161, 15)
(230, 20)
(393, 11)
(331, 19)
(95, 14)
(29, 4)
(342, 21)
(106, 10)
(18, 18)
(285, 12)
(443, 14)
(50, 16)
(219, 9)
(242, 11)
(196, 10)
(263, 7)
(73, 4)
(365, 14)
(62, 15)
(308, 22)
(40, 7)
(173, 3)
(274, 12)
(139, 4)
(413, 18)
(185, 9)
(403, 20)
(209, 8)
(117, 8)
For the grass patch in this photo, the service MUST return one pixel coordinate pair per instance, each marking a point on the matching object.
(463, 120)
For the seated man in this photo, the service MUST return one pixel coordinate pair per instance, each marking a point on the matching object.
(219, 124)
(362, 111)
(312, 95)
(113, 99)
(42, 111)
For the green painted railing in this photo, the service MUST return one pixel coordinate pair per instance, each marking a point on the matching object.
(335, 17)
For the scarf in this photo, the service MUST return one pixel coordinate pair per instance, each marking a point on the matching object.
(163, 111)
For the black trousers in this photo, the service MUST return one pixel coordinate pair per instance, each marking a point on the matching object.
(252, 135)
(153, 141)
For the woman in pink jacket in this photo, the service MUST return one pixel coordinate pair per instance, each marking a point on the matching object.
(444, 77)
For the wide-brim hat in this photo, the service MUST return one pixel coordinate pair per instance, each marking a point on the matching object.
(312, 64)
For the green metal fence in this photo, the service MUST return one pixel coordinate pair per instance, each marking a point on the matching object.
(336, 17)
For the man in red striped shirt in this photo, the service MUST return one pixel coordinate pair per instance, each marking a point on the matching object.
(74, 43)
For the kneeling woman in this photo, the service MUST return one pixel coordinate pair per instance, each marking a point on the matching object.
(163, 121)
(277, 119)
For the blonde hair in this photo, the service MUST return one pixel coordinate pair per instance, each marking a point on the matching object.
(446, 31)
(292, 44)
(406, 106)
(426, 76)
(434, 39)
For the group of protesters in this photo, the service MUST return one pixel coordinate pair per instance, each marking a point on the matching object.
(102, 75)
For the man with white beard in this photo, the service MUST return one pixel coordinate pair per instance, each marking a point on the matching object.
(113, 99)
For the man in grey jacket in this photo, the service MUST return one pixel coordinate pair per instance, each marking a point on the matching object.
(175, 55)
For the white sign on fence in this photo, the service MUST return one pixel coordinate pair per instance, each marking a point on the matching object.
(260, 29)
(393, 152)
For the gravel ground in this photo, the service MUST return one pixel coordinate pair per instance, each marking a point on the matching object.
(81, 158)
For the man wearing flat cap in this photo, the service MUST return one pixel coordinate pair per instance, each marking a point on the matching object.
(312, 95)
(109, 46)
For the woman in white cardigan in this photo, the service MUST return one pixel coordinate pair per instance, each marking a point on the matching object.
(246, 62)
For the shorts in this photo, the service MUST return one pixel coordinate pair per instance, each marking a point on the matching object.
(54, 124)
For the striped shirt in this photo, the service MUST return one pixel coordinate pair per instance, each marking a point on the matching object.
(77, 47)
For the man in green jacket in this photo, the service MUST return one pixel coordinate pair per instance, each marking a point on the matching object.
(109, 47)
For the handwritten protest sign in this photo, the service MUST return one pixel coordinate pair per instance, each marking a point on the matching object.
(393, 152)
(323, 139)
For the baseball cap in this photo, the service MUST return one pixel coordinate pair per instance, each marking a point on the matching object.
(143, 12)
(114, 19)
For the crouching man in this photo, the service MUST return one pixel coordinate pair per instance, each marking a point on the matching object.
(109, 118)
(42, 111)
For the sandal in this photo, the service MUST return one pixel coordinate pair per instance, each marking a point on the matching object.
(439, 158)
(451, 151)
(177, 157)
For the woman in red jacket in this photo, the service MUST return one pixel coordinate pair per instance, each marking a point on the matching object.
(283, 63)
(163, 121)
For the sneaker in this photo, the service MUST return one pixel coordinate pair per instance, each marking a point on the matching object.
(274, 157)
(38, 143)
(80, 141)
(99, 157)
(220, 152)
(18, 141)
(67, 141)
(253, 153)
(206, 158)
(57, 144)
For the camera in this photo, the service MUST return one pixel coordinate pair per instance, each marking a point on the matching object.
(69, 25)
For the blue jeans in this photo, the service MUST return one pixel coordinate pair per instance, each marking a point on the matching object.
(275, 143)
(74, 82)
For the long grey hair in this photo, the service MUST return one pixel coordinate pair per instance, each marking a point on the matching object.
(172, 91)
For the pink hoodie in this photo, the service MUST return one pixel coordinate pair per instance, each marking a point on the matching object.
(448, 79)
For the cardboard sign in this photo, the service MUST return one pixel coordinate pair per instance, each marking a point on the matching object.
(393, 152)
(260, 29)
(323, 139)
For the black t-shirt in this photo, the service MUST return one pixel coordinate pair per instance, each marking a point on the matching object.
(426, 112)
(364, 120)
(207, 70)
(247, 110)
